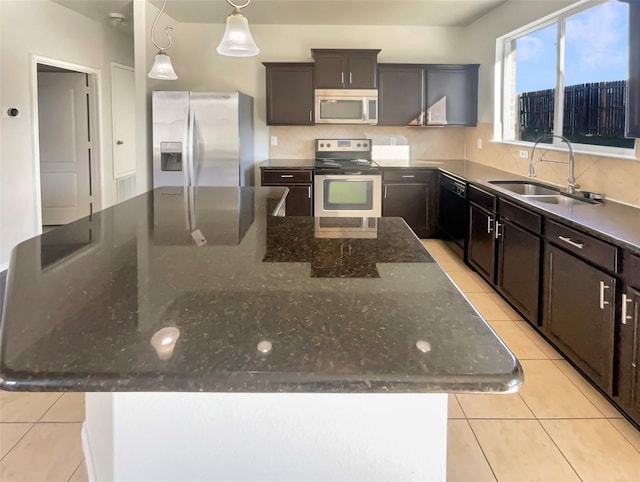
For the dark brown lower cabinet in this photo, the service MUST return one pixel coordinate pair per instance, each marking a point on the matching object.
(299, 201)
(579, 313)
(412, 202)
(518, 275)
(481, 248)
(629, 373)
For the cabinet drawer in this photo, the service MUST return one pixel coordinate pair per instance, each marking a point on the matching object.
(481, 198)
(631, 269)
(407, 175)
(584, 245)
(272, 176)
(521, 216)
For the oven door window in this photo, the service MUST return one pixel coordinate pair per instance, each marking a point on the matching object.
(347, 194)
(343, 109)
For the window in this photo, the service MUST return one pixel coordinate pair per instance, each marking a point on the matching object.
(566, 75)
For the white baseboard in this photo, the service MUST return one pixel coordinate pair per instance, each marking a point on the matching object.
(88, 454)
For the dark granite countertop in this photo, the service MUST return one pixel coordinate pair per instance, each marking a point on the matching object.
(288, 164)
(96, 305)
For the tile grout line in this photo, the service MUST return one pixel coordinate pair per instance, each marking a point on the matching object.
(622, 433)
(33, 424)
(559, 449)
(50, 407)
(77, 468)
(475, 436)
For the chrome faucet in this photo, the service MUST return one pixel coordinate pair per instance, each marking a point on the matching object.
(571, 180)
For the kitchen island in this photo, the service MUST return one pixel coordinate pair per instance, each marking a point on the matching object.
(219, 342)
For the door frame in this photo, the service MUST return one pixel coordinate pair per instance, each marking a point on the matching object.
(116, 65)
(95, 130)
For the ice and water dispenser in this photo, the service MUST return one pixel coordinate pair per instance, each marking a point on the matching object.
(171, 156)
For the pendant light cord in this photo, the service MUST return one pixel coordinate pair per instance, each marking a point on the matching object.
(153, 28)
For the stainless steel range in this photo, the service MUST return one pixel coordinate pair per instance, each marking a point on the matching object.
(347, 183)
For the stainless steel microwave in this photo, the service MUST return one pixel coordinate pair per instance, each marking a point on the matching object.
(346, 106)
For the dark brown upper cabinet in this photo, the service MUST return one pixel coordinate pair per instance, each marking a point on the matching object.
(428, 95)
(289, 93)
(345, 68)
(633, 85)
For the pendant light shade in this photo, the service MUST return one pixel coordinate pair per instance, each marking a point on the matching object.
(237, 40)
(162, 68)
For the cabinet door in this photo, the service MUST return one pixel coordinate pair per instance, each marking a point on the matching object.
(330, 71)
(410, 202)
(481, 248)
(518, 276)
(452, 95)
(361, 73)
(629, 382)
(299, 201)
(290, 95)
(579, 313)
(400, 95)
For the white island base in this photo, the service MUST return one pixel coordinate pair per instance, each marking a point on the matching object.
(207, 437)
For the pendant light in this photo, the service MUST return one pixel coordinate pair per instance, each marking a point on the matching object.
(162, 68)
(237, 40)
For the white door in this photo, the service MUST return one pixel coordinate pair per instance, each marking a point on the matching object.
(65, 156)
(123, 95)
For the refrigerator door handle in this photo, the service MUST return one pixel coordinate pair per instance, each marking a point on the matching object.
(190, 160)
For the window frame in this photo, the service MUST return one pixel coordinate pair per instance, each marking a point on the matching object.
(503, 128)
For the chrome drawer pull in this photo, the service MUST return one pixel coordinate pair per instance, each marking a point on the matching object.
(572, 243)
(286, 175)
(602, 288)
(498, 226)
(624, 316)
(408, 177)
(489, 226)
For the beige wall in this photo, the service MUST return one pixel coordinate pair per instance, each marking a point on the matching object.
(49, 30)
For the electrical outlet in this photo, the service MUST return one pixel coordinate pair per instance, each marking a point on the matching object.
(524, 154)
(392, 140)
(479, 142)
(274, 140)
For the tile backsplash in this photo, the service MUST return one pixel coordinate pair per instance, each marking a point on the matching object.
(298, 142)
(618, 179)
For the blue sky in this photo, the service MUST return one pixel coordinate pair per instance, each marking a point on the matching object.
(595, 50)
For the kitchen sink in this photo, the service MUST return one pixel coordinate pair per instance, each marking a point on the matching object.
(536, 191)
(526, 188)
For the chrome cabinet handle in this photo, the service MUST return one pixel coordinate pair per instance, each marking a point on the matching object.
(408, 177)
(572, 243)
(342, 78)
(624, 316)
(602, 288)
(350, 78)
(385, 192)
(489, 225)
(498, 226)
(309, 188)
(310, 118)
(286, 175)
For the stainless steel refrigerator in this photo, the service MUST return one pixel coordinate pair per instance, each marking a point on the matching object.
(202, 139)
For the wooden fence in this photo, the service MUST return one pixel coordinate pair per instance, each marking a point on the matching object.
(590, 110)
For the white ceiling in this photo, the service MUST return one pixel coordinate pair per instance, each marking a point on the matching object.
(306, 12)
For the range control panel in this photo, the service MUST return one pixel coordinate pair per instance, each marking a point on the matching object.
(343, 145)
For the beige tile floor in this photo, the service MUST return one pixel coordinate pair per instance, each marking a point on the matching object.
(557, 428)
